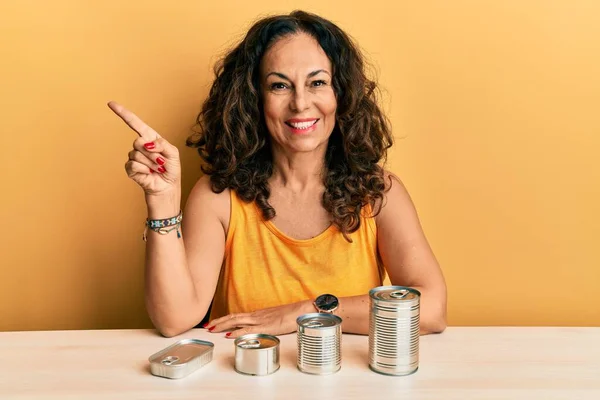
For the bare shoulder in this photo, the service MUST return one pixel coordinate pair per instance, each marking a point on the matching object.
(393, 183)
(395, 198)
(204, 203)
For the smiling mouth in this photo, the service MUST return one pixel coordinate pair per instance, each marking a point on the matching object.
(301, 125)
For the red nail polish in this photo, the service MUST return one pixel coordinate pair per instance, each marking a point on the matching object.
(151, 171)
(205, 325)
(160, 161)
(211, 328)
(149, 145)
(161, 169)
(228, 334)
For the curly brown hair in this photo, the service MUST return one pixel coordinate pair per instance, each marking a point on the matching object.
(234, 142)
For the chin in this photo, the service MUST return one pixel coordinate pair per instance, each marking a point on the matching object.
(306, 147)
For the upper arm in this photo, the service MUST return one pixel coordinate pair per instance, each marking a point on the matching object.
(205, 224)
(402, 245)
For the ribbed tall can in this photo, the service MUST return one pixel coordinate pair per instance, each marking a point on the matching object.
(394, 330)
(319, 343)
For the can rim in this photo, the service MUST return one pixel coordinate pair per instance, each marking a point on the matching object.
(332, 317)
(251, 336)
(379, 289)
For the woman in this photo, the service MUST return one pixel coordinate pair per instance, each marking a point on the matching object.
(293, 206)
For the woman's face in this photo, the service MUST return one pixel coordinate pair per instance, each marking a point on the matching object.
(297, 93)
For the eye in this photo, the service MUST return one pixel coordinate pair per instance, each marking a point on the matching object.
(278, 86)
(319, 83)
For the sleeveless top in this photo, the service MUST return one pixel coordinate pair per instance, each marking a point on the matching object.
(263, 267)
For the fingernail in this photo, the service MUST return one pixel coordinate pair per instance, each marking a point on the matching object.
(211, 328)
(228, 334)
(160, 161)
(149, 145)
(161, 169)
(205, 325)
(151, 171)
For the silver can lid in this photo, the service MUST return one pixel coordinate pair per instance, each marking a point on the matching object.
(256, 341)
(181, 358)
(182, 352)
(318, 320)
(394, 293)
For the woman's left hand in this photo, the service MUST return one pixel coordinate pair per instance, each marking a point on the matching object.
(271, 321)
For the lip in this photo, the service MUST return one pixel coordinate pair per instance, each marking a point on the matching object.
(296, 120)
(297, 131)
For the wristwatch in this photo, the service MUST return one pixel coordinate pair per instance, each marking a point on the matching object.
(326, 303)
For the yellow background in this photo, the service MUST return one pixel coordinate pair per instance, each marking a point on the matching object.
(495, 106)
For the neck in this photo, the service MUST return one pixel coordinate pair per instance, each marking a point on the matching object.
(298, 171)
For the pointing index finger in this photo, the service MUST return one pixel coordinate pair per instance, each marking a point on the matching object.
(133, 121)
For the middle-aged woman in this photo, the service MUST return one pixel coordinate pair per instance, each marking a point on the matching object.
(294, 213)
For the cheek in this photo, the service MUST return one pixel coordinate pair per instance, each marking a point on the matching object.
(329, 101)
(268, 109)
(329, 106)
(271, 110)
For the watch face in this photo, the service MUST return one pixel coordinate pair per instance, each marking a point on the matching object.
(326, 302)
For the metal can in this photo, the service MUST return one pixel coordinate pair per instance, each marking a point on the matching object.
(181, 359)
(319, 343)
(256, 354)
(394, 330)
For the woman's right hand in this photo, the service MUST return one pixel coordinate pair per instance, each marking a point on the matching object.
(154, 162)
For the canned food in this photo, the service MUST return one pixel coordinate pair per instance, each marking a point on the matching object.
(319, 343)
(181, 359)
(256, 354)
(394, 330)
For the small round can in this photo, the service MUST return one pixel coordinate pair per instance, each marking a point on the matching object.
(256, 354)
(394, 330)
(319, 343)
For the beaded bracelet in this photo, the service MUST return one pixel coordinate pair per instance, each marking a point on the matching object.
(159, 225)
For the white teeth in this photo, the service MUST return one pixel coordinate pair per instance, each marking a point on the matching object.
(302, 125)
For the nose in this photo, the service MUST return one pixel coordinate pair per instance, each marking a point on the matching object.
(300, 101)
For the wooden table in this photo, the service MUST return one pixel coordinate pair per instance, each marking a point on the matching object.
(461, 363)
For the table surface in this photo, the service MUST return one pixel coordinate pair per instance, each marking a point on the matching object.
(461, 363)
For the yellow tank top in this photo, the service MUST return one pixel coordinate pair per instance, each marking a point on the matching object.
(263, 267)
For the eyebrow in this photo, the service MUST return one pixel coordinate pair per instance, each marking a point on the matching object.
(282, 76)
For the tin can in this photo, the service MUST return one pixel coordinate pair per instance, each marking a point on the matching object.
(256, 354)
(181, 359)
(394, 330)
(319, 343)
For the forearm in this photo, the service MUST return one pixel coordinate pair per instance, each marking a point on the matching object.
(170, 294)
(354, 312)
